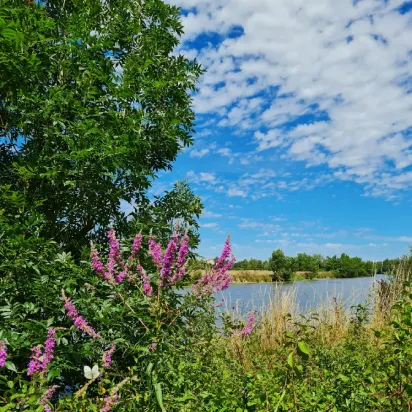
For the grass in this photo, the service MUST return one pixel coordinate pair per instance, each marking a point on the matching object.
(330, 322)
(263, 276)
(307, 275)
(349, 367)
(242, 276)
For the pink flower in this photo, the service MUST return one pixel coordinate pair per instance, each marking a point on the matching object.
(181, 259)
(3, 353)
(153, 346)
(49, 393)
(39, 360)
(155, 251)
(49, 345)
(120, 277)
(36, 362)
(225, 254)
(107, 356)
(137, 243)
(168, 260)
(218, 278)
(115, 256)
(78, 320)
(247, 330)
(96, 262)
(109, 402)
(147, 289)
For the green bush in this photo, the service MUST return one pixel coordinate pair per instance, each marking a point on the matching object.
(158, 333)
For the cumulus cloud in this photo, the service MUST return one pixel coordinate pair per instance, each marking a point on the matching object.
(233, 192)
(199, 153)
(209, 225)
(202, 177)
(325, 82)
(209, 214)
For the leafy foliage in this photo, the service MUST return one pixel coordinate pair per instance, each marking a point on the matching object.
(152, 333)
(93, 103)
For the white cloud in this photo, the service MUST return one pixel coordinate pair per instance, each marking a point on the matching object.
(324, 60)
(202, 177)
(199, 153)
(268, 228)
(209, 225)
(209, 214)
(233, 192)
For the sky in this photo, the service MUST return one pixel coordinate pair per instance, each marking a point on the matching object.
(304, 126)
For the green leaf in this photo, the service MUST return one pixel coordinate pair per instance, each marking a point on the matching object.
(159, 396)
(303, 348)
(290, 360)
(11, 366)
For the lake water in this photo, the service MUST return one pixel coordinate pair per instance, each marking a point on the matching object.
(308, 294)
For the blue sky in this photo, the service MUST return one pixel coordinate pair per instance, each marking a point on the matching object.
(304, 126)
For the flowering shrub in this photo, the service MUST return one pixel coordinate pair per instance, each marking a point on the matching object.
(129, 321)
(218, 278)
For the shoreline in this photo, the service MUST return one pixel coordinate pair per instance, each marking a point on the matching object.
(237, 283)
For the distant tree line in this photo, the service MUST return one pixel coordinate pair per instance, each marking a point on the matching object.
(343, 266)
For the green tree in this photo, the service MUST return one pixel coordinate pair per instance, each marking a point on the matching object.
(283, 267)
(179, 207)
(94, 102)
(289, 269)
(277, 264)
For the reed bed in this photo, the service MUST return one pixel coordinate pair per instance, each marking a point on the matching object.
(329, 323)
(263, 276)
(243, 276)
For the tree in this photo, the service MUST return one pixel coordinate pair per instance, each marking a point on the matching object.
(289, 269)
(94, 102)
(277, 264)
(178, 208)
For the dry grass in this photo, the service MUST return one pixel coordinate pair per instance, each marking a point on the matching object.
(243, 276)
(263, 276)
(251, 276)
(331, 323)
(307, 275)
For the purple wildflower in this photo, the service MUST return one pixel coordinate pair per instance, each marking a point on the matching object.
(3, 353)
(78, 320)
(49, 345)
(107, 356)
(225, 254)
(168, 260)
(109, 402)
(147, 288)
(218, 278)
(96, 262)
(120, 277)
(39, 360)
(181, 259)
(153, 346)
(49, 393)
(247, 330)
(155, 251)
(115, 256)
(137, 243)
(36, 362)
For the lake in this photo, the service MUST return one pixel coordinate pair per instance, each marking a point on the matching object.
(308, 294)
